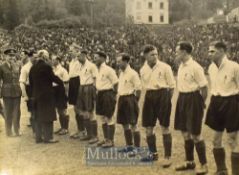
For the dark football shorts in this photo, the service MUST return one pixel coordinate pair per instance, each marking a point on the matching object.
(74, 84)
(105, 103)
(86, 98)
(223, 113)
(128, 110)
(157, 105)
(189, 113)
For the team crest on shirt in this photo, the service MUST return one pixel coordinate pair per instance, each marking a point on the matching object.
(228, 78)
(188, 77)
(225, 77)
(102, 76)
(160, 74)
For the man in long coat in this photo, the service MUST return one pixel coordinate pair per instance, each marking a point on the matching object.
(41, 81)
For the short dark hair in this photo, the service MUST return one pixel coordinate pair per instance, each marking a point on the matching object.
(148, 48)
(25, 52)
(31, 53)
(10, 51)
(58, 58)
(186, 46)
(125, 57)
(84, 52)
(219, 45)
(101, 54)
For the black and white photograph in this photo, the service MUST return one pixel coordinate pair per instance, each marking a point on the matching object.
(119, 87)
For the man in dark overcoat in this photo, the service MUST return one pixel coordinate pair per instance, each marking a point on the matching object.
(41, 81)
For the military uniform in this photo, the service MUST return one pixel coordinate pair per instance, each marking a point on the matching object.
(11, 94)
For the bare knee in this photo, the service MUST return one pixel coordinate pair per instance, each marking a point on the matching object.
(102, 119)
(217, 140)
(165, 130)
(84, 114)
(126, 127)
(91, 116)
(186, 136)
(233, 141)
(149, 131)
(109, 121)
(196, 138)
(134, 128)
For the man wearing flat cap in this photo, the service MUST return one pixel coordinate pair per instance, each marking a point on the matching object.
(11, 92)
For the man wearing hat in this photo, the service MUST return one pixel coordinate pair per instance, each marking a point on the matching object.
(11, 92)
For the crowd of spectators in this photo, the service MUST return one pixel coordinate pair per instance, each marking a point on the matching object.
(130, 39)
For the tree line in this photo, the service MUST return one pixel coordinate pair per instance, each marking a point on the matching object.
(99, 12)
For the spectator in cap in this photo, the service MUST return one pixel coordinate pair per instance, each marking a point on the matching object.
(11, 92)
(10, 52)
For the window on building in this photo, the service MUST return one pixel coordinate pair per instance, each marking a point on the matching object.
(161, 5)
(161, 18)
(138, 5)
(150, 5)
(138, 17)
(150, 19)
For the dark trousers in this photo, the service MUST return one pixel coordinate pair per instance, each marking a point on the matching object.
(12, 114)
(32, 121)
(2, 110)
(44, 130)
